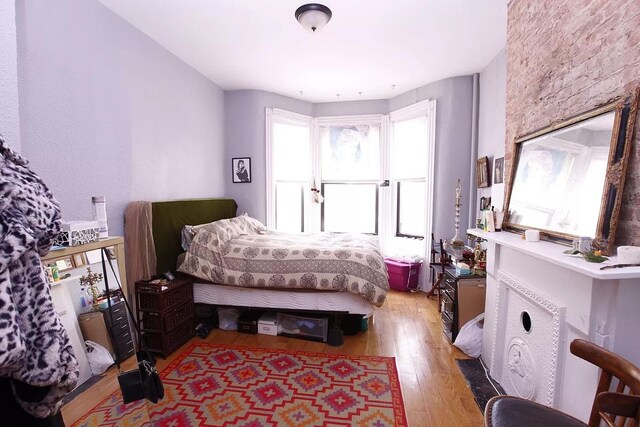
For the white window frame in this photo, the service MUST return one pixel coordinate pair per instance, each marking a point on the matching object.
(423, 108)
(273, 116)
(364, 119)
(386, 201)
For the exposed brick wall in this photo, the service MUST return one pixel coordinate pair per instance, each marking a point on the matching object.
(565, 57)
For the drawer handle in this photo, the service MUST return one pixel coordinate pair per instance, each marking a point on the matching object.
(123, 326)
(119, 318)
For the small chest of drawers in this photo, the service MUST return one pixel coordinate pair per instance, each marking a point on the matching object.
(109, 328)
(165, 313)
(462, 299)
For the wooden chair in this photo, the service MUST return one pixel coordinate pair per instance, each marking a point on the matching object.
(439, 261)
(619, 407)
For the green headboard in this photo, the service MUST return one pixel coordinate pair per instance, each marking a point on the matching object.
(170, 217)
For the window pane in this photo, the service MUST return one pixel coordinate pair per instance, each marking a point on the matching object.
(291, 160)
(350, 152)
(411, 208)
(289, 210)
(409, 149)
(350, 207)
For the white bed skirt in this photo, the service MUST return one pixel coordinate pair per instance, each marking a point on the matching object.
(267, 298)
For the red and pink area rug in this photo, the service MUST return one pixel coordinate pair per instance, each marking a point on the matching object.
(218, 385)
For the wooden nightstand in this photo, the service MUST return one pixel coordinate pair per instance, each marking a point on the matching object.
(165, 313)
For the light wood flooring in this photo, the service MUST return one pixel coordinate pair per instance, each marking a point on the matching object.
(407, 327)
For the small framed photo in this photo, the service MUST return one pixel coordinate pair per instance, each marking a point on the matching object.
(498, 170)
(79, 260)
(482, 172)
(241, 169)
(64, 264)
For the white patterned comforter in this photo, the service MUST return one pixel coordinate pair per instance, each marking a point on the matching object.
(236, 255)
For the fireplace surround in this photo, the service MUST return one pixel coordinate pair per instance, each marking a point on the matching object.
(538, 301)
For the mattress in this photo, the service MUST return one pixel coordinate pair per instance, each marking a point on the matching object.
(285, 299)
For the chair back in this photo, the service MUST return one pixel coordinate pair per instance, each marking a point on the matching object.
(620, 406)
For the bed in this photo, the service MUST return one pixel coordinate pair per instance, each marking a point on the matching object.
(318, 286)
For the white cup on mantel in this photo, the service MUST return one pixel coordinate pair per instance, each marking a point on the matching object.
(629, 255)
(532, 235)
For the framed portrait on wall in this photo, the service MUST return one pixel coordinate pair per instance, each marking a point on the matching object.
(482, 172)
(498, 170)
(241, 169)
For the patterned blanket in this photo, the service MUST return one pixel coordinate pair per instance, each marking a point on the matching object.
(233, 252)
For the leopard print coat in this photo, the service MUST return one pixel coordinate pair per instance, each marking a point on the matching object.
(35, 352)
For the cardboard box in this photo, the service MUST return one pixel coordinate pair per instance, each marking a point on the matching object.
(268, 324)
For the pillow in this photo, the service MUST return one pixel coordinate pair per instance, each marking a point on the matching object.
(187, 235)
(220, 232)
(252, 223)
(224, 229)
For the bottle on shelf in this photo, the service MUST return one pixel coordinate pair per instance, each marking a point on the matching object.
(85, 299)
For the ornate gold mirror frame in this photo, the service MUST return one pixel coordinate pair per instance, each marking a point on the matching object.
(625, 111)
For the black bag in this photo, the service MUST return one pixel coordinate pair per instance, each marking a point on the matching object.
(143, 382)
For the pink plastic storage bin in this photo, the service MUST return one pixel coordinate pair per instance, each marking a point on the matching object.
(403, 276)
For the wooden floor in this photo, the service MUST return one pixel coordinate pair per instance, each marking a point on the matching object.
(407, 327)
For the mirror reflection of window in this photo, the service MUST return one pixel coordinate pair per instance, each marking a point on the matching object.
(560, 178)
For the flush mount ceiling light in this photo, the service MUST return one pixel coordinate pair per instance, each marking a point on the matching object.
(313, 16)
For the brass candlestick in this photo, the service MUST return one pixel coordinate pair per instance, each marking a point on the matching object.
(91, 280)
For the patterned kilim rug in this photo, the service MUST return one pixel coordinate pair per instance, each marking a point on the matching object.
(217, 385)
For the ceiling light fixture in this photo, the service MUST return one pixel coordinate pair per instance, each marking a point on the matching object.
(313, 16)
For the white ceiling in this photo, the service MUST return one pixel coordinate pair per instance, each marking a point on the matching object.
(368, 46)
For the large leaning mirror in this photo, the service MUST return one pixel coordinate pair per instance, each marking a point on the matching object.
(568, 177)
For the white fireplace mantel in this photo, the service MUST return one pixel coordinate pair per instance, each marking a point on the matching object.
(553, 253)
(566, 298)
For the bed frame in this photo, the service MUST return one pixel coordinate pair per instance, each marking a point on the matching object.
(168, 220)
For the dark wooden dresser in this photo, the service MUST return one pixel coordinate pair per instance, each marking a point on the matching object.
(462, 299)
(165, 313)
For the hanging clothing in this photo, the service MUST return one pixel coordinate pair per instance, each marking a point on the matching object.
(35, 352)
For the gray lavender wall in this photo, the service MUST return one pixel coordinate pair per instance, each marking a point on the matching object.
(9, 106)
(351, 108)
(105, 110)
(493, 96)
(454, 101)
(245, 136)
